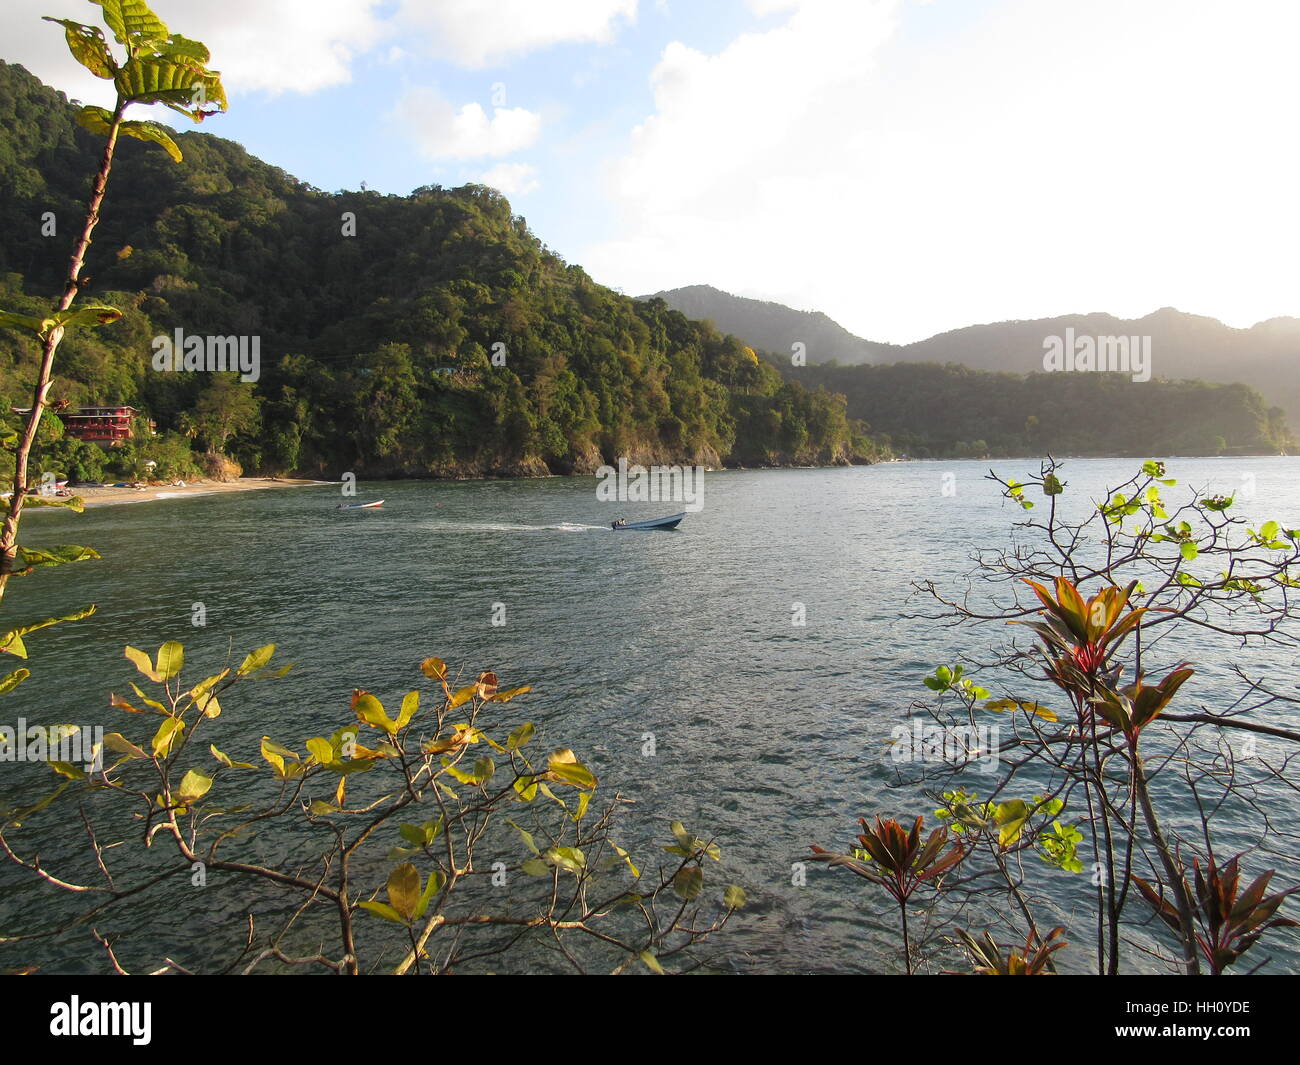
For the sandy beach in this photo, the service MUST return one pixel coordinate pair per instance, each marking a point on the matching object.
(107, 497)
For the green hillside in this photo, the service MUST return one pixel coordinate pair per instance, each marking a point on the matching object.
(377, 349)
(928, 409)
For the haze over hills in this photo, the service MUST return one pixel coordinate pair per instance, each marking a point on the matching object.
(775, 327)
(1265, 356)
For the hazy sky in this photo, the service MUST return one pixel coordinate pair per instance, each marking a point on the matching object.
(905, 166)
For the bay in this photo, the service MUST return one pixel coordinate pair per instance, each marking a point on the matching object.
(768, 735)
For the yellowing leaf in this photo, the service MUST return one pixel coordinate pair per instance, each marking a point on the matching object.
(194, 785)
(171, 656)
(255, 660)
(169, 732)
(404, 889)
(115, 741)
(143, 663)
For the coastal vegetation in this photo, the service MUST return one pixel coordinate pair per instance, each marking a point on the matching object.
(1109, 731)
(425, 837)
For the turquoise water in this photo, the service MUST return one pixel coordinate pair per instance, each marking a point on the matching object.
(769, 736)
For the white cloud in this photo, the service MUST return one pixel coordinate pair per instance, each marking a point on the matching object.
(271, 45)
(443, 132)
(514, 179)
(1036, 157)
(477, 34)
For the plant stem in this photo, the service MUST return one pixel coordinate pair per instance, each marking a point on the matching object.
(9, 529)
(907, 944)
(1177, 883)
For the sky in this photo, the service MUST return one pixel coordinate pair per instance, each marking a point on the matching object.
(905, 166)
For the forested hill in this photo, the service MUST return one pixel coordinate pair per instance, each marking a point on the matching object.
(1184, 346)
(943, 411)
(776, 327)
(434, 334)
(377, 348)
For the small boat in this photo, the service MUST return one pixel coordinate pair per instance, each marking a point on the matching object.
(670, 522)
(361, 506)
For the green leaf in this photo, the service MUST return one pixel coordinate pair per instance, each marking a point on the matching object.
(255, 660)
(74, 503)
(567, 769)
(143, 663)
(535, 867)
(462, 696)
(584, 800)
(527, 836)
(410, 704)
(651, 962)
(734, 897)
(92, 315)
(521, 736)
(627, 858)
(194, 785)
(116, 742)
(171, 656)
(168, 733)
(688, 882)
(132, 23)
(371, 711)
(30, 557)
(1011, 817)
(570, 858)
(11, 642)
(88, 47)
(483, 769)
(404, 889)
(382, 909)
(999, 705)
(203, 697)
(283, 760)
(154, 132)
(436, 880)
(10, 320)
(12, 680)
(1188, 550)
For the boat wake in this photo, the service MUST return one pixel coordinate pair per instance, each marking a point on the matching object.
(470, 526)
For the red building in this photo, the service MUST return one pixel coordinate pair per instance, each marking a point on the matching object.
(99, 425)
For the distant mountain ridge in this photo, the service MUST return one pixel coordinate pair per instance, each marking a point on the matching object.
(1266, 356)
(774, 327)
